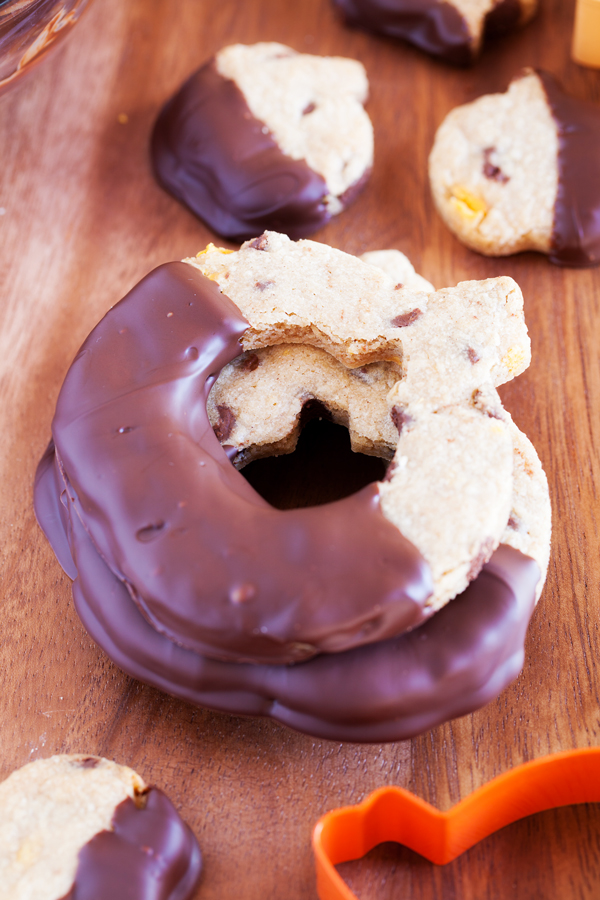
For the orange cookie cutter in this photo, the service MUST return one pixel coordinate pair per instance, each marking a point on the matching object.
(394, 814)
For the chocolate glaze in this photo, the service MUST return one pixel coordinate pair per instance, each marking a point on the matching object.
(208, 562)
(504, 17)
(210, 152)
(576, 229)
(150, 854)
(432, 25)
(435, 26)
(456, 662)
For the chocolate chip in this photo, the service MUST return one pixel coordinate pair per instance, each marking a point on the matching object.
(400, 418)
(514, 522)
(224, 426)
(249, 363)
(491, 171)
(399, 286)
(90, 762)
(407, 318)
(477, 564)
(150, 532)
(308, 109)
(263, 285)
(260, 243)
(473, 355)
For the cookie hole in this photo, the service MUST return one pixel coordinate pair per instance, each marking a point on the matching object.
(323, 468)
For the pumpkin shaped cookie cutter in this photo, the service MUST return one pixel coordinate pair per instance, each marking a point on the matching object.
(394, 814)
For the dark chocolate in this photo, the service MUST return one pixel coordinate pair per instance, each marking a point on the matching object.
(435, 26)
(576, 228)
(504, 17)
(432, 25)
(180, 526)
(210, 152)
(150, 854)
(456, 662)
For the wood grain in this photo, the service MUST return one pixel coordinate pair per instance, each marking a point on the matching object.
(83, 221)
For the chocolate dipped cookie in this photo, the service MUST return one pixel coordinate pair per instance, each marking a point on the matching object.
(520, 171)
(453, 30)
(83, 828)
(264, 137)
(200, 575)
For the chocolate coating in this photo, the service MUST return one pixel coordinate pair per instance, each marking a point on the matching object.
(150, 854)
(208, 562)
(504, 17)
(435, 26)
(210, 152)
(576, 228)
(456, 662)
(432, 25)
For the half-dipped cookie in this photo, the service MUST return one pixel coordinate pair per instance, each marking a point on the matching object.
(453, 30)
(84, 828)
(183, 573)
(521, 171)
(262, 137)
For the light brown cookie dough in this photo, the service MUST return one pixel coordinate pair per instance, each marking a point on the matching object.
(529, 525)
(399, 268)
(65, 819)
(256, 402)
(306, 292)
(243, 407)
(312, 105)
(494, 170)
(449, 488)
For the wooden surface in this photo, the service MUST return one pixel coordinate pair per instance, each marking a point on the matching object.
(83, 222)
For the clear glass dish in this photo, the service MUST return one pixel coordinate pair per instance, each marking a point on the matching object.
(29, 29)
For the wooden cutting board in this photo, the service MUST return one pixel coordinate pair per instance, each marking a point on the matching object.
(82, 220)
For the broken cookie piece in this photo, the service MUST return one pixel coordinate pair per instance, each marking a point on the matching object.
(520, 171)
(264, 137)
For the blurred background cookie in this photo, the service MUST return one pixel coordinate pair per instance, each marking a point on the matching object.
(264, 137)
(521, 171)
(83, 828)
(454, 31)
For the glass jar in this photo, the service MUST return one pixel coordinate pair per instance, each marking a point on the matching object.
(29, 29)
